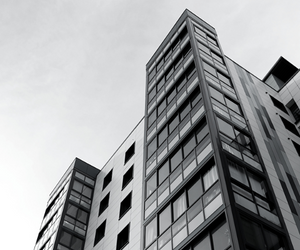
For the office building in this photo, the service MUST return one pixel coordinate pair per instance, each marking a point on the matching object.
(214, 164)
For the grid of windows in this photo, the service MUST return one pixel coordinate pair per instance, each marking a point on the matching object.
(227, 107)
(177, 167)
(257, 236)
(186, 211)
(173, 47)
(81, 194)
(176, 127)
(76, 219)
(250, 191)
(238, 143)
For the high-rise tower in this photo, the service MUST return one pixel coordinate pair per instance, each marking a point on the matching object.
(213, 165)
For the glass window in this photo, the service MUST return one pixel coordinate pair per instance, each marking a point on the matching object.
(177, 61)
(212, 40)
(221, 237)
(216, 94)
(189, 146)
(162, 136)
(169, 73)
(152, 94)
(152, 147)
(179, 206)
(151, 117)
(203, 244)
(238, 173)
(185, 111)
(217, 57)
(168, 53)
(160, 64)
(72, 210)
(210, 177)
(232, 105)
(203, 48)
(194, 192)
(180, 83)
(163, 172)
(225, 128)
(253, 233)
(224, 79)
(171, 95)
(258, 184)
(151, 232)
(152, 74)
(164, 219)
(161, 107)
(87, 191)
(176, 159)
(174, 123)
(160, 83)
(77, 186)
(151, 185)
(209, 69)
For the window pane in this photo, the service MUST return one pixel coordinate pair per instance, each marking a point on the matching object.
(203, 244)
(221, 237)
(238, 173)
(209, 69)
(176, 159)
(163, 172)
(164, 219)
(171, 95)
(253, 234)
(257, 184)
(226, 128)
(152, 94)
(195, 192)
(151, 231)
(189, 146)
(77, 186)
(224, 79)
(162, 135)
(82, 216)
(234, 106)
(217, 95)
(210, 177)
(152, 147)
(151, 117)
(179, 206)
(87, 191)
(161, 107)
(203, 48)
(72, 210)
(151, 185)
(160, 84)
(174, 123)
(185, 111)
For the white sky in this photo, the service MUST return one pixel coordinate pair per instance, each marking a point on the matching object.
(72, 76)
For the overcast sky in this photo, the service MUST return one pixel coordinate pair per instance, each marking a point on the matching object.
(72, 77)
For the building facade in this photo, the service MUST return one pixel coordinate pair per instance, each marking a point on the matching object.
(214, 164)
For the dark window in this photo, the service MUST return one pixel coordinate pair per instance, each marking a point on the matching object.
(160, 64)
(162, 136)
(217, 57)
(129, 153)
(152, 94)
(295, 110)
(212, 40)
(107, 179)
(125, 205)
(278, 104)
(69, 241)
(100, 232)
(123, 238)
(224, 79)
(128, 176)
(103, 204)
(289, 126)
(152, 147)
(297, 147)
(151, 118)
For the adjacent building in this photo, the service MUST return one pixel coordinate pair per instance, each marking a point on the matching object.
(214, 163)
